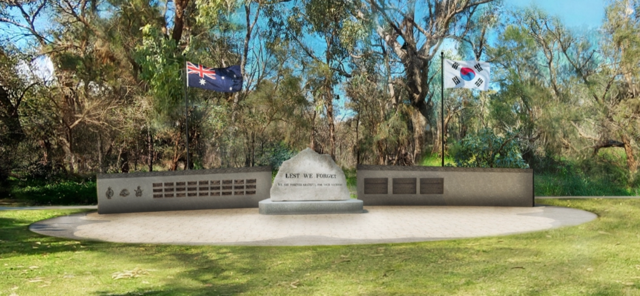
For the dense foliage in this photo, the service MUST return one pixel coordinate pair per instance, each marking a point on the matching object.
(487, 150)
(358, 80)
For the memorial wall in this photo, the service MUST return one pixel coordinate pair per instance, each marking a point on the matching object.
(183, 190)
(444, 186)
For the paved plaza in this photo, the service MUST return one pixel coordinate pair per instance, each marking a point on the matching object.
(379, 224)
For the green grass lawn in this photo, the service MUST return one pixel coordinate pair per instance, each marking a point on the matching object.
(597, 258)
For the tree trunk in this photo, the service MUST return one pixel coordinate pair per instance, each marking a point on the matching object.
(357, 137)
(312, 137)
(150, 149)
(419, 123)
(124, 162)
(632, 164)
(67, 146)
(100, 167)
(332, 127)
(179, 19)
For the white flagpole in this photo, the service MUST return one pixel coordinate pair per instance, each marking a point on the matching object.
(442, 101)
(186, 112)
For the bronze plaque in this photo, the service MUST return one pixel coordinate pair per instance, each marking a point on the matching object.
(192, 194)
(226, 192)
(215, 188)
(157, 184)
(238, 187)
(239, 193)
(251, 181)
(251, 192)
(227, 187)
(404, 185)
(203, 194)
(180, 189)
(157, 190)
(376, 186)
(192, 183)
(215, 193)
(431, 185)
(203, 183)
(180, 183)
(180, 194)
(157, 196)
(168, 184)
(239, 181)
(251, 186)
(204, 188)
(215, 182)
(168, 195)
(227, 181)
(192, 189)
(168, 190)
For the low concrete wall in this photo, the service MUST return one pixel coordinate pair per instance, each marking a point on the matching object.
(450, 186)
(183, 190)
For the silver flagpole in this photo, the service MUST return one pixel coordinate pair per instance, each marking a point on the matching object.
(442, 101)
(186, 111)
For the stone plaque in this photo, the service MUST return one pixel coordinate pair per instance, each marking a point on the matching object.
(309, 176)
(431, 185)
(376, 186)
(404, 185)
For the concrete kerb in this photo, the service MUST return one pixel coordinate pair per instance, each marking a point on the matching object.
(380, 224)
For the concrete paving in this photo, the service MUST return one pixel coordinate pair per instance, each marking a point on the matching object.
(379, 224)
(49, 208)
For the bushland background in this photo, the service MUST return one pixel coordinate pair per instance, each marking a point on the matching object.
(91, 87)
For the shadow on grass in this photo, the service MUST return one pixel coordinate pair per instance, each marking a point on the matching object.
(17, 240)
(598, 257)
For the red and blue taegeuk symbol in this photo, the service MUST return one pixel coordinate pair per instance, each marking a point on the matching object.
(467, 74)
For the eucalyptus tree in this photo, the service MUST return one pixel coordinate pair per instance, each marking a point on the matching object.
(317, 29)
(14, 88)
(623, 104)
(415, 31)
(539, 95)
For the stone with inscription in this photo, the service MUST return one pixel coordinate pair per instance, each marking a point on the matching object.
(309, 176)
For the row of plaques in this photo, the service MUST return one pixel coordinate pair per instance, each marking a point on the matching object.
(404, 186)
(204, 188)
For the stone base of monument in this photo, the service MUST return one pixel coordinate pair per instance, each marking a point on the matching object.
(350, 206)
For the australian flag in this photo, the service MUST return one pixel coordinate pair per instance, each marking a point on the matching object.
(220, 79)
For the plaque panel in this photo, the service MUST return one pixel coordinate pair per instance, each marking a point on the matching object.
(431, 185)
(376, 186)
(404, 185)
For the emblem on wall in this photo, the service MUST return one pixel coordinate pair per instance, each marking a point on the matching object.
(124, 193)
(109, 193)
(138, 192)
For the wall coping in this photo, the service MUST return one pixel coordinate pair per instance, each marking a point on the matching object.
(362, 167)
(186, 173)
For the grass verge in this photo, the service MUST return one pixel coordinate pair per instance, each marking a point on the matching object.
(596, 258)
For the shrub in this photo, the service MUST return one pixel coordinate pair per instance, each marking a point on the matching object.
(488, 150)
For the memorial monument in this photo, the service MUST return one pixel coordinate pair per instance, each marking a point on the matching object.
(310, 183)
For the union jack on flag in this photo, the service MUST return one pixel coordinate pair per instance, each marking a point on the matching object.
(202, 71)
(219, 79)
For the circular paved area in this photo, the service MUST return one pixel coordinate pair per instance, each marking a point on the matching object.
(380, 224)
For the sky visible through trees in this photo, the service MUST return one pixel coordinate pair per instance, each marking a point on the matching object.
(358, 80)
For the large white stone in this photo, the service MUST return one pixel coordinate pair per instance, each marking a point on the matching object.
(309, 176)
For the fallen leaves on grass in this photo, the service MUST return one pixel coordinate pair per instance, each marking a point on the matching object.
(295, 284)
(127, 274)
